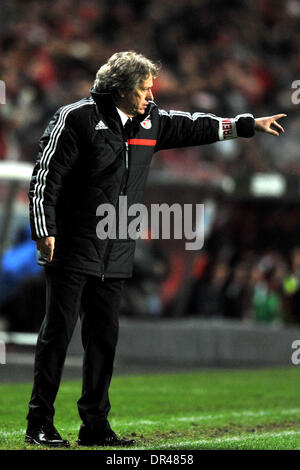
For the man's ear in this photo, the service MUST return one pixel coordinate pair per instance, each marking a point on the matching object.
(121, 93)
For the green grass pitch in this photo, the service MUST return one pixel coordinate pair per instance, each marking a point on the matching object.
(229, 409)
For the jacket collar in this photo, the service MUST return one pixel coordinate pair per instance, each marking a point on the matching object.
(107, 106)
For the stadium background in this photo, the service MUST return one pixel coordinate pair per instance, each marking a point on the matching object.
(220, 57)
(233, 304)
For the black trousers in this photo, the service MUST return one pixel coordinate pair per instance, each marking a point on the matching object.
(67, 295)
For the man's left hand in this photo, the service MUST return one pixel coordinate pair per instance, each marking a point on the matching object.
(269, 124)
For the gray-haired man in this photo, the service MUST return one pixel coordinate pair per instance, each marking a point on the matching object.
(92, 152)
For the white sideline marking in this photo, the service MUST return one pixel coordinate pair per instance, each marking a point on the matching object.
(12, 433)
(252, 436)
(184, 418)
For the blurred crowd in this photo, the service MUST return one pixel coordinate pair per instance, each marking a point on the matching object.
(251, 266)
(216, 56)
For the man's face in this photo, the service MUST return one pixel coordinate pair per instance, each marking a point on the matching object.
(136, 102)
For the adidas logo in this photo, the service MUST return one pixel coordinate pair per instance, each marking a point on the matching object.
(101, 126)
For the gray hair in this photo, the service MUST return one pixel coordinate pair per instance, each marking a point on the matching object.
(124, 71)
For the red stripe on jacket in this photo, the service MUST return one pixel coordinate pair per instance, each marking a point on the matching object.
(148, 142)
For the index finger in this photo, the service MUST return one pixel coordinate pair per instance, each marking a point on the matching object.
(278, 116)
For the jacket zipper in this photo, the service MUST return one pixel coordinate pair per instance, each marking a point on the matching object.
(121, 193)
(123, 188)
(126, 166)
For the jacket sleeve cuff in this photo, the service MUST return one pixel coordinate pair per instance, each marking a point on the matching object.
(245, 125)
(34, 236)
(240, 126)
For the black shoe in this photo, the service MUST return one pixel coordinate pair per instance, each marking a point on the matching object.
(87, 437)
(45, 434)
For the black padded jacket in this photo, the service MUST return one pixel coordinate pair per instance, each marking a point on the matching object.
(86, 159)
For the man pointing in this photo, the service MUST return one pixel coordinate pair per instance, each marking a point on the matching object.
(92, 152)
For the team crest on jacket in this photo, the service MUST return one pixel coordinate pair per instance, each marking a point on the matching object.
(146, 124)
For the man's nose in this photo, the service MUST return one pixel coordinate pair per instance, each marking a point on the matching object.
(150, 95)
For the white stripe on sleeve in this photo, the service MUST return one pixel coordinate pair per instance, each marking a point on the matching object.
(49, 150)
